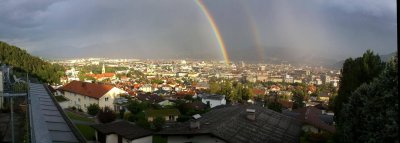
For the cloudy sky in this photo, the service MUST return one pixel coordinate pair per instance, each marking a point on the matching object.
(159, 29)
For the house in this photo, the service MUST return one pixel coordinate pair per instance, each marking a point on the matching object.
(122, 132)
(202, 86)
(213, 99)
(170, 115)
(146, 88)
(151, 98)
(313, 119)
(166, 103)
(235, 124)
(82, 94)
(324, 96)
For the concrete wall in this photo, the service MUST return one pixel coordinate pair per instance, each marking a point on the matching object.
(1, 90)
(111, 138)
(194, 139)
(214, 103)
(148, 139)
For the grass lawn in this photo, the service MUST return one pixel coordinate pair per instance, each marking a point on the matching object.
(74, 116)
(87, 131)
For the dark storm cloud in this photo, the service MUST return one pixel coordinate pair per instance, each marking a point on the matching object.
(307, 29)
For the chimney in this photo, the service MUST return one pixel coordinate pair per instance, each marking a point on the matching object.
(194, 123)
(251, 114)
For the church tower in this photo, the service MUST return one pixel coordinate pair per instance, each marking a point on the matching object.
(103, 70)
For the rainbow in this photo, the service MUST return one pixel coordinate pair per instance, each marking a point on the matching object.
(256, 34)
(215, 29)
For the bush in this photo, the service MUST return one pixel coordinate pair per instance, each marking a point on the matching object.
(106, 115)
(143, 123)
(158, 123)
(93, 109)
(183, 118)
(73, 108)
(80, 110)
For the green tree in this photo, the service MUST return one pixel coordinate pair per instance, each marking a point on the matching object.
(298, 98)
(106, 115)
(135, 107)
(371, 113)
(93, 109)
(22, 61)
(354, 73)
(276, 106)
(158, 123)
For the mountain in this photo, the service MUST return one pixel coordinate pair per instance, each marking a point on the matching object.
(384, 58)
(22, 61)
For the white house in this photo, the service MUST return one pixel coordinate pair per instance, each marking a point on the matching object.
(213, 99)
(146, 88)
(82, 94)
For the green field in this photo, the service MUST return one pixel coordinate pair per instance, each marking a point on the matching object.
(87, 131)
(74, 116)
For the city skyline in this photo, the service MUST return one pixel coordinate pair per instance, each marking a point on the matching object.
(248, 30)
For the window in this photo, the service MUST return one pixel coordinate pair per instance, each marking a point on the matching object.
(106, 99)
(84, 105)
(171, 117)
(79, 99)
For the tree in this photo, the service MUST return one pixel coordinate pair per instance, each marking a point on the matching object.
(354, 73)
(93, 109)
(106, 115)
(371, 113)
(276, 106)
(298, 98)
(135, 107)
(22, 61)
(158, 123)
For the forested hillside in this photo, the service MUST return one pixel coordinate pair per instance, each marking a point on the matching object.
(23, 61)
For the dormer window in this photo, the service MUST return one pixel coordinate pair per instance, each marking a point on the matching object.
(106, 99)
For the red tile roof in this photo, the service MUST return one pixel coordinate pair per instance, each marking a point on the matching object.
(93, 90)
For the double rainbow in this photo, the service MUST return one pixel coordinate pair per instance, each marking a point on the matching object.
(215, 29)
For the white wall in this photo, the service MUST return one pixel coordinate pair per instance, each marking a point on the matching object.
(111, 138)
(1, 89)
(214, 103)
(194, 139)
(81, 101)
(147, 139)
(111, 95)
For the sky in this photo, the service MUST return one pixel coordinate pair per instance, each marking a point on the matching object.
(255, 30)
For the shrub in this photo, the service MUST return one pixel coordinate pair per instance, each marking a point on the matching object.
(158, 123)
(93, 109)
(183, 118)
(106, 115)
